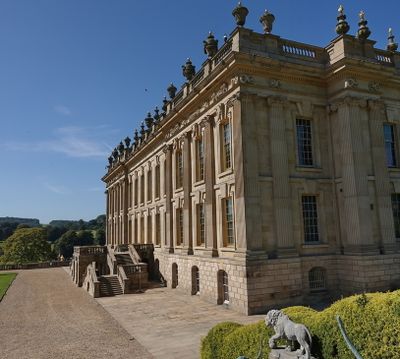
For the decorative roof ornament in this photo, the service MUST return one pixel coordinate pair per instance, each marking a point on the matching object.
(342, 26)
(136, 137)
(149, 121)
(267, 20)
(127, 141)
(121, 148)
(363, 30)
(392, 45)
(188, 70)
(240, 13)
(165, 104)
(225, 37)
(115, 154)
(210, 45)
(156, 115)
(142, 130)
(110, 161)
(171, 90)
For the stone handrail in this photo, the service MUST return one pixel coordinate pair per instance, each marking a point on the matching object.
(111, 260)
(134, 254)
(82, 250)
(222, 52)
(123, 278)
(297, 49)
(135, 268)
(383, 57)
(198, 77)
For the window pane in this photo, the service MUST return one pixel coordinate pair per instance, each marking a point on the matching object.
(304, 142)
(310, 219)
(390, 145)
(227, 145)
(200, 160)
(201, 224)
(179, 169)
(230, 231)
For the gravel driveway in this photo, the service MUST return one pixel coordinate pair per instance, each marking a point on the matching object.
(44, 315)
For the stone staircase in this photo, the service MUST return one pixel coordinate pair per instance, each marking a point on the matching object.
(123, 259)
(109, 286)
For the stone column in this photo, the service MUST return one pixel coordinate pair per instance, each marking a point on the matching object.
(357, 212)
(187, 201)
(125, 204)
(168, 197)
(209, 175)
(280, 176)
(107, 192)
(377, 117)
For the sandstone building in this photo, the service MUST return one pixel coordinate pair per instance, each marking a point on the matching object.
(271, 177)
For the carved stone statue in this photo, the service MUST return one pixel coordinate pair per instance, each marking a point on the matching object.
(286, 329)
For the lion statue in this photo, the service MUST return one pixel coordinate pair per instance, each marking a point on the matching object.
(286, 329)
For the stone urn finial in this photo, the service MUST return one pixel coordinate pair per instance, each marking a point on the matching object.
(363, 30)
(171, 90)
(127, 141)
(392, 45)
(136, 137)
(156, 115)
(267, 20)
(149, 121)
(188, 70)
(110, 161)
(240, 13)
(115, 154)
(165, 104)
(342, 27)
(210, 45)
(142, 130)
(121, 148)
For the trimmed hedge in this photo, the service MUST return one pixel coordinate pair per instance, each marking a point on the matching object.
(372, 322)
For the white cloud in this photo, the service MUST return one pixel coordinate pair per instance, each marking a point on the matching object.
(71, 141)
(57, 189)
(62, 110)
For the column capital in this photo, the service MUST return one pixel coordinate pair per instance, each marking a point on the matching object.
(347, 101)
(277, 100)
(167, 147)
(376, 104)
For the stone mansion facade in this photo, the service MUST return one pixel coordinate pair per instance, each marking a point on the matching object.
(272, 176)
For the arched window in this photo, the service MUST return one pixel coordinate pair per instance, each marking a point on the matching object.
(317, 279)
(223, 287)
(174, 282)
(195, 280)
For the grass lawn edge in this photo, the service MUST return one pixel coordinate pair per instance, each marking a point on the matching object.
(6, 283)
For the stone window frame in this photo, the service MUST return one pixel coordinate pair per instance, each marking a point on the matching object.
(179, 230)
(157, 219)
(311, 150)
(178, 165)
(200, 159)
(200, 229)
(141, 188)
(317, 279)
(394, 143)
(396, 216)
(157, 188)
(225, 229)
(135, 189)
(195, 280)
(223, 287)
(149, 183)
(318, 215)
(226, 120)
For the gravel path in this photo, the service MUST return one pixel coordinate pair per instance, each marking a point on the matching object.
(44, 315)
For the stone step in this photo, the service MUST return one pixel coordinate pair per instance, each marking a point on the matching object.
(109, 286)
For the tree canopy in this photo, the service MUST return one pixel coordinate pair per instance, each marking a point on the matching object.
(27, 245)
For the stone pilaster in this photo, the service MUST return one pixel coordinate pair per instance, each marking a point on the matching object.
(187, 201)
(168, 197)
(280, 174)
(209, 175)
(356, 201)
(377, 117)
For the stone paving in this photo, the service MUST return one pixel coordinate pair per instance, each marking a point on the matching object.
(45, 316)
(168, 323)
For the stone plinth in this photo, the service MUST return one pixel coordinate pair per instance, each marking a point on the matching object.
(283, 353)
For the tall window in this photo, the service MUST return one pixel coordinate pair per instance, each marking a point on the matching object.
(149, 230)
(396, 213)
(390, 144)
(142, 188)
(229, 222)
(201, 229)
(158, 229)
(141, 239)
(179, 169)
(136, 184)
(157, 189)
(310, 219)
(149, 185)
(227, 146)
(200, 159)
(179, 226)
(304, 142)
(316, 279)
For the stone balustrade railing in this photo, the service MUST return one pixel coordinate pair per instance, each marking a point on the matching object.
(85, 250)
(384, 57)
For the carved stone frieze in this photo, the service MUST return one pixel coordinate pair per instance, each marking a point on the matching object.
(374, 87)
(350, 83)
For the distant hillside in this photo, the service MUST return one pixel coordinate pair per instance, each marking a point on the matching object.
(98, 222)
(32, 222)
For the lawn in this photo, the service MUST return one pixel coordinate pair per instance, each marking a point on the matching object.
(5, 281)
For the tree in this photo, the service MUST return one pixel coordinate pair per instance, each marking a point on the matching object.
(27, 245)
(85, 238)
(100, 237)
(65, 244)
(54, 233)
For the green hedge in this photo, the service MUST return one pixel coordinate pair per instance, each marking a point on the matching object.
(372, 323)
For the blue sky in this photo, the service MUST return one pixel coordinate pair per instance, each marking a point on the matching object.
(74, 74)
